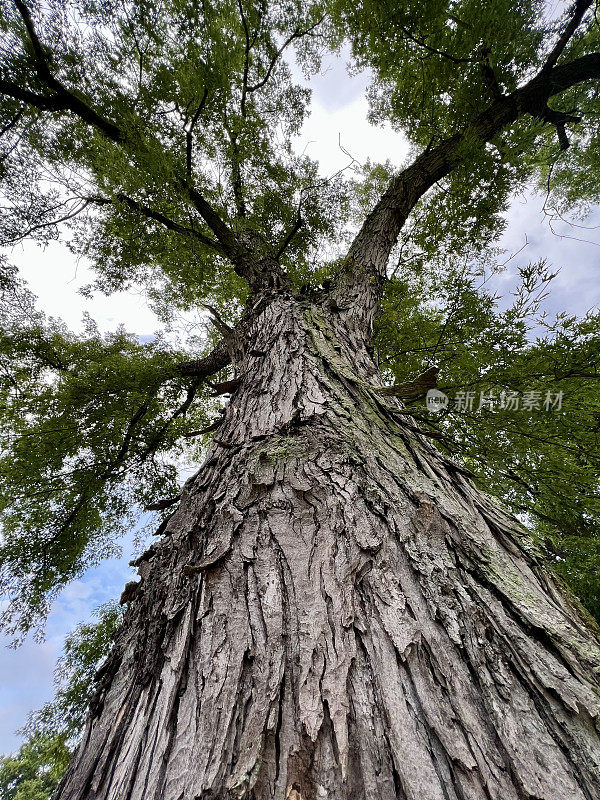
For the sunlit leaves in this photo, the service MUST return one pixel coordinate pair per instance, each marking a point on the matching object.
(439, 64)
(202, 95)
(34, 772)
(433, 59)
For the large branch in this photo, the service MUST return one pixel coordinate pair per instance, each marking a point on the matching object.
(162, 219)
(202, 368)
(62, 101)
(577, 13)
(358, 288)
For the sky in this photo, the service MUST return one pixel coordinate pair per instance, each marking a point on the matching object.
(338, 120)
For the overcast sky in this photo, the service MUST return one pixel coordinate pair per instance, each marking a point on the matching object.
(339, 115)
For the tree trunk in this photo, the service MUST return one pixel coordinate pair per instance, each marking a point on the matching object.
(334, 611)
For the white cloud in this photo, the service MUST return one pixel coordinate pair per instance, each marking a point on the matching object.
(339, 119)
(328, 130)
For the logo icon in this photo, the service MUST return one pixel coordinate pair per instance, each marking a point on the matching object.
(436, 400)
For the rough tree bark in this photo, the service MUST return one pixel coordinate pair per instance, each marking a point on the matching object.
(334, 611)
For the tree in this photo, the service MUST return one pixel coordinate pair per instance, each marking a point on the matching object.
(333, 609)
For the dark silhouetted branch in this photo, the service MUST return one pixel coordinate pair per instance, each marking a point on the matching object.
(417, 388)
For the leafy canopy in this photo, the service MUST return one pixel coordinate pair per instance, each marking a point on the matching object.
(86, 425)
(157, 139)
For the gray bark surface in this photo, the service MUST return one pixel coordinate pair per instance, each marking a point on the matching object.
(335, 611)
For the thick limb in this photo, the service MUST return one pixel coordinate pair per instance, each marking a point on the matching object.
(359, 285)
